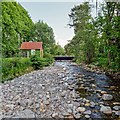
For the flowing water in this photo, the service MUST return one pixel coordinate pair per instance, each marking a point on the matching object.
(93, 84)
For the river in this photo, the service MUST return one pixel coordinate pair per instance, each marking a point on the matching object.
(63, 90)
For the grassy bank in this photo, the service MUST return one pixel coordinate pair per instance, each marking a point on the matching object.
(14, 67)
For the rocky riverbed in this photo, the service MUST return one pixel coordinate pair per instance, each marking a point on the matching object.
(64, 90)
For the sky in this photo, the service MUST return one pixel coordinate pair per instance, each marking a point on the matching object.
(55, 14)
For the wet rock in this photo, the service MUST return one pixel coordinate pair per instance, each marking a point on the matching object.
(117, 113)
(112, 87)
(103, 92)
(92, 104)
(88, 112)
(48, 94)
(81, 109)
(106, 110)
(116, 107)
(87, 104)
(116, 103)
(93, 85)
(87, 116)
(107, 97)
(99, 96)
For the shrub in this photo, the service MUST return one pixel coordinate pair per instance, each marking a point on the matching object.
(12, 67)
(49, 58)
(39, 63)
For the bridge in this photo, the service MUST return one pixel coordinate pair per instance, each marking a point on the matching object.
(64, 57)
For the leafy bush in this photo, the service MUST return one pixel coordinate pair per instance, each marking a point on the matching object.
(49, 58)
(102, 62)
(39, 63)
(12, 67)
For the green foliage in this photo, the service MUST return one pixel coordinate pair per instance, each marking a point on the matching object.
(96, 40)
(49, 58)
(39, 63)
(81, 45)
(57, 50)
(41, 32)
(16, 26)
(12, 67)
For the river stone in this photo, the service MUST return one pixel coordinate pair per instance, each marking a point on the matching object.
(107, 97)
(65, 114)
(68, 102)
(81, 109)
(78, 115)
(87, 116)
(30, 102)
(46, 102)
(47, 96)
(92, 104)
(116, 103)
(87, 104)
(63, 93)
(93, 85)
(103, 92)
(117, 113)
(25, 114)
(10, 106)
(106, 110)
(70, 105)
(24, 102)
(69, 110)
(116, 107)
(55, 115)
(66, 84)
(88, 112)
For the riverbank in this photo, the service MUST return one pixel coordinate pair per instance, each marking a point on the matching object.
(109, 72)
(64, 90)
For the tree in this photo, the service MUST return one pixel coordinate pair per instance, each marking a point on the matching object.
(96, 39)
(82, 42)
(41, 32)
(16, 25)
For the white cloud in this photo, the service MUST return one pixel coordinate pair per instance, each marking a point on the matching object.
(61, 41)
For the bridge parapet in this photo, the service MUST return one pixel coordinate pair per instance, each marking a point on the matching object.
(64, 57)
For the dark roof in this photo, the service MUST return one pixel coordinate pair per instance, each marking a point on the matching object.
(31, 45)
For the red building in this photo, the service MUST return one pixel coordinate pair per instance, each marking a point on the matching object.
(32, 48)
